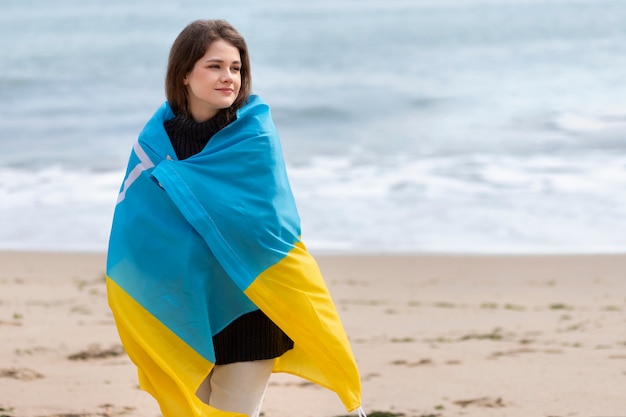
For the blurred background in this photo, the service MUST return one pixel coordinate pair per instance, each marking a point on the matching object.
(468, 126)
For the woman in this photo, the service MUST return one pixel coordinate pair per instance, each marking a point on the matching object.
(209, 283)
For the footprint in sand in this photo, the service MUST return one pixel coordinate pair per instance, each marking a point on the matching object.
(107, 410)
(23, 374)
(421, 362)
(487, 402)
(96, 352)
(10, 323)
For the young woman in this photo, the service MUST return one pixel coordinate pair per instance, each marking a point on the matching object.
(211, 288)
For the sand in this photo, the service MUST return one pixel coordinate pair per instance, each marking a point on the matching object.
(433, 335)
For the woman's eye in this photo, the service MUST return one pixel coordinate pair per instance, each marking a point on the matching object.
(236, 69)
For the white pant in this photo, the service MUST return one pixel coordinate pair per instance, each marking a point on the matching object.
(238, 387)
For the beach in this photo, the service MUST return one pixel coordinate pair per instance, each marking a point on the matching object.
(434, 335)
(455, 167)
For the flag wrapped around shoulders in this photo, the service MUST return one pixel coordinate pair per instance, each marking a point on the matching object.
(199, 242)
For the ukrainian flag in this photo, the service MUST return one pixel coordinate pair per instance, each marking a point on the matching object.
(199, 242)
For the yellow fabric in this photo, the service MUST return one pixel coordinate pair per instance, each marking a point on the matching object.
(167, 365)
(294, 295)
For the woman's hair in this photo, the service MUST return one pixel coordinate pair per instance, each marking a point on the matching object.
(191, 45)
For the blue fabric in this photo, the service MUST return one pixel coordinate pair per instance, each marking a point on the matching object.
(189, 235)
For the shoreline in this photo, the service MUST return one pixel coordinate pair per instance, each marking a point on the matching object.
(434, 335)
(363, 253)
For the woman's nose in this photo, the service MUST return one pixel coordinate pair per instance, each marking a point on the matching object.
(227, 76)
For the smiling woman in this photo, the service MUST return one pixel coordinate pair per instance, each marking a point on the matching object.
(208, 72)
(214, 82)
(211, 288)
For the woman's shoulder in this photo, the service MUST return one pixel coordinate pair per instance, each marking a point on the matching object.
(254, 105)
(254, 99)
(154, 129)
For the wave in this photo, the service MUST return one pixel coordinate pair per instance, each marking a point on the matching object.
(459, 203)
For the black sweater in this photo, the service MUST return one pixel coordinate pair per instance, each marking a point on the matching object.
(252, 336)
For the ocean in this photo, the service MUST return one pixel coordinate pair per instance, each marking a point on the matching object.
(422, 126)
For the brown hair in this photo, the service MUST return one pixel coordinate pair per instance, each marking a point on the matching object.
(191, 45)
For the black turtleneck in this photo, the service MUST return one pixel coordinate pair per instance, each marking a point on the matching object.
(189, 137)
(252, 336)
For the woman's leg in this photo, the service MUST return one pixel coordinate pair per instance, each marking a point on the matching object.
(238, 386)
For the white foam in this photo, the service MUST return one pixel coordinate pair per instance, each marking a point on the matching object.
(478, 203)
(56, 209)
(466, 203)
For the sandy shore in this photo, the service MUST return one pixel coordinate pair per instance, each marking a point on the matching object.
(433, 335)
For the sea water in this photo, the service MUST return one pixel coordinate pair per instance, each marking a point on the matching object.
(408, 126)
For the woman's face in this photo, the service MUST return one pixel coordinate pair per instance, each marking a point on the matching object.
(214, 82)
